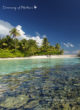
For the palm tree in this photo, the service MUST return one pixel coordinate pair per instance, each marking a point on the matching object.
(23, 45)
(58, 46)
(15, 33)
(32, 47)
(45, 44)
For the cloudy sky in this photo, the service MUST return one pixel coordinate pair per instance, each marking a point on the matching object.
(59, 20)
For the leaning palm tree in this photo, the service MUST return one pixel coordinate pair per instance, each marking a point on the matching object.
(15, 33)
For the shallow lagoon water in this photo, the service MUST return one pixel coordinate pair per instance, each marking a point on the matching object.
(40, 84)
(11, 66)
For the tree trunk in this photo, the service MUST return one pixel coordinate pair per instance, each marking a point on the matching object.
(15, 45)
(15, 41)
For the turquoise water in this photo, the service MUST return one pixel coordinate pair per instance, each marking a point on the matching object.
(11, 66)
(40, 84)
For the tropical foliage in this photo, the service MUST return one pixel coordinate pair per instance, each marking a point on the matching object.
(10, 46)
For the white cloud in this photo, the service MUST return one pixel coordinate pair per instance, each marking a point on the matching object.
(44, 36)
(68, 45)
(5, 27)
(25, 36)
(22, 33)
(71, 52)
(66, 52)
(75, 52)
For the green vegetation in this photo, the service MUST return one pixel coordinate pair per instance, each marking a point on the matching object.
(14, 32)
(10, 46)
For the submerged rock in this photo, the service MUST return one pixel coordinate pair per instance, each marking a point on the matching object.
(32, 104)
(48, 89)
(14, 102)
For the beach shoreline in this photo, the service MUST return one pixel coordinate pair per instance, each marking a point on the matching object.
(41, 57)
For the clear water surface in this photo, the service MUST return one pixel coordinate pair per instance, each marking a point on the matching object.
(40, 84)
(11, 66)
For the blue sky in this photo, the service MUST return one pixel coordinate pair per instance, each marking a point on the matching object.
(59, 20)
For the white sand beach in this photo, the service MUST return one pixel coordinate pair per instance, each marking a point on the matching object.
(41, 57)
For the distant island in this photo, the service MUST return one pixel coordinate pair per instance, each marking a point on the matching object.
(11, 47)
